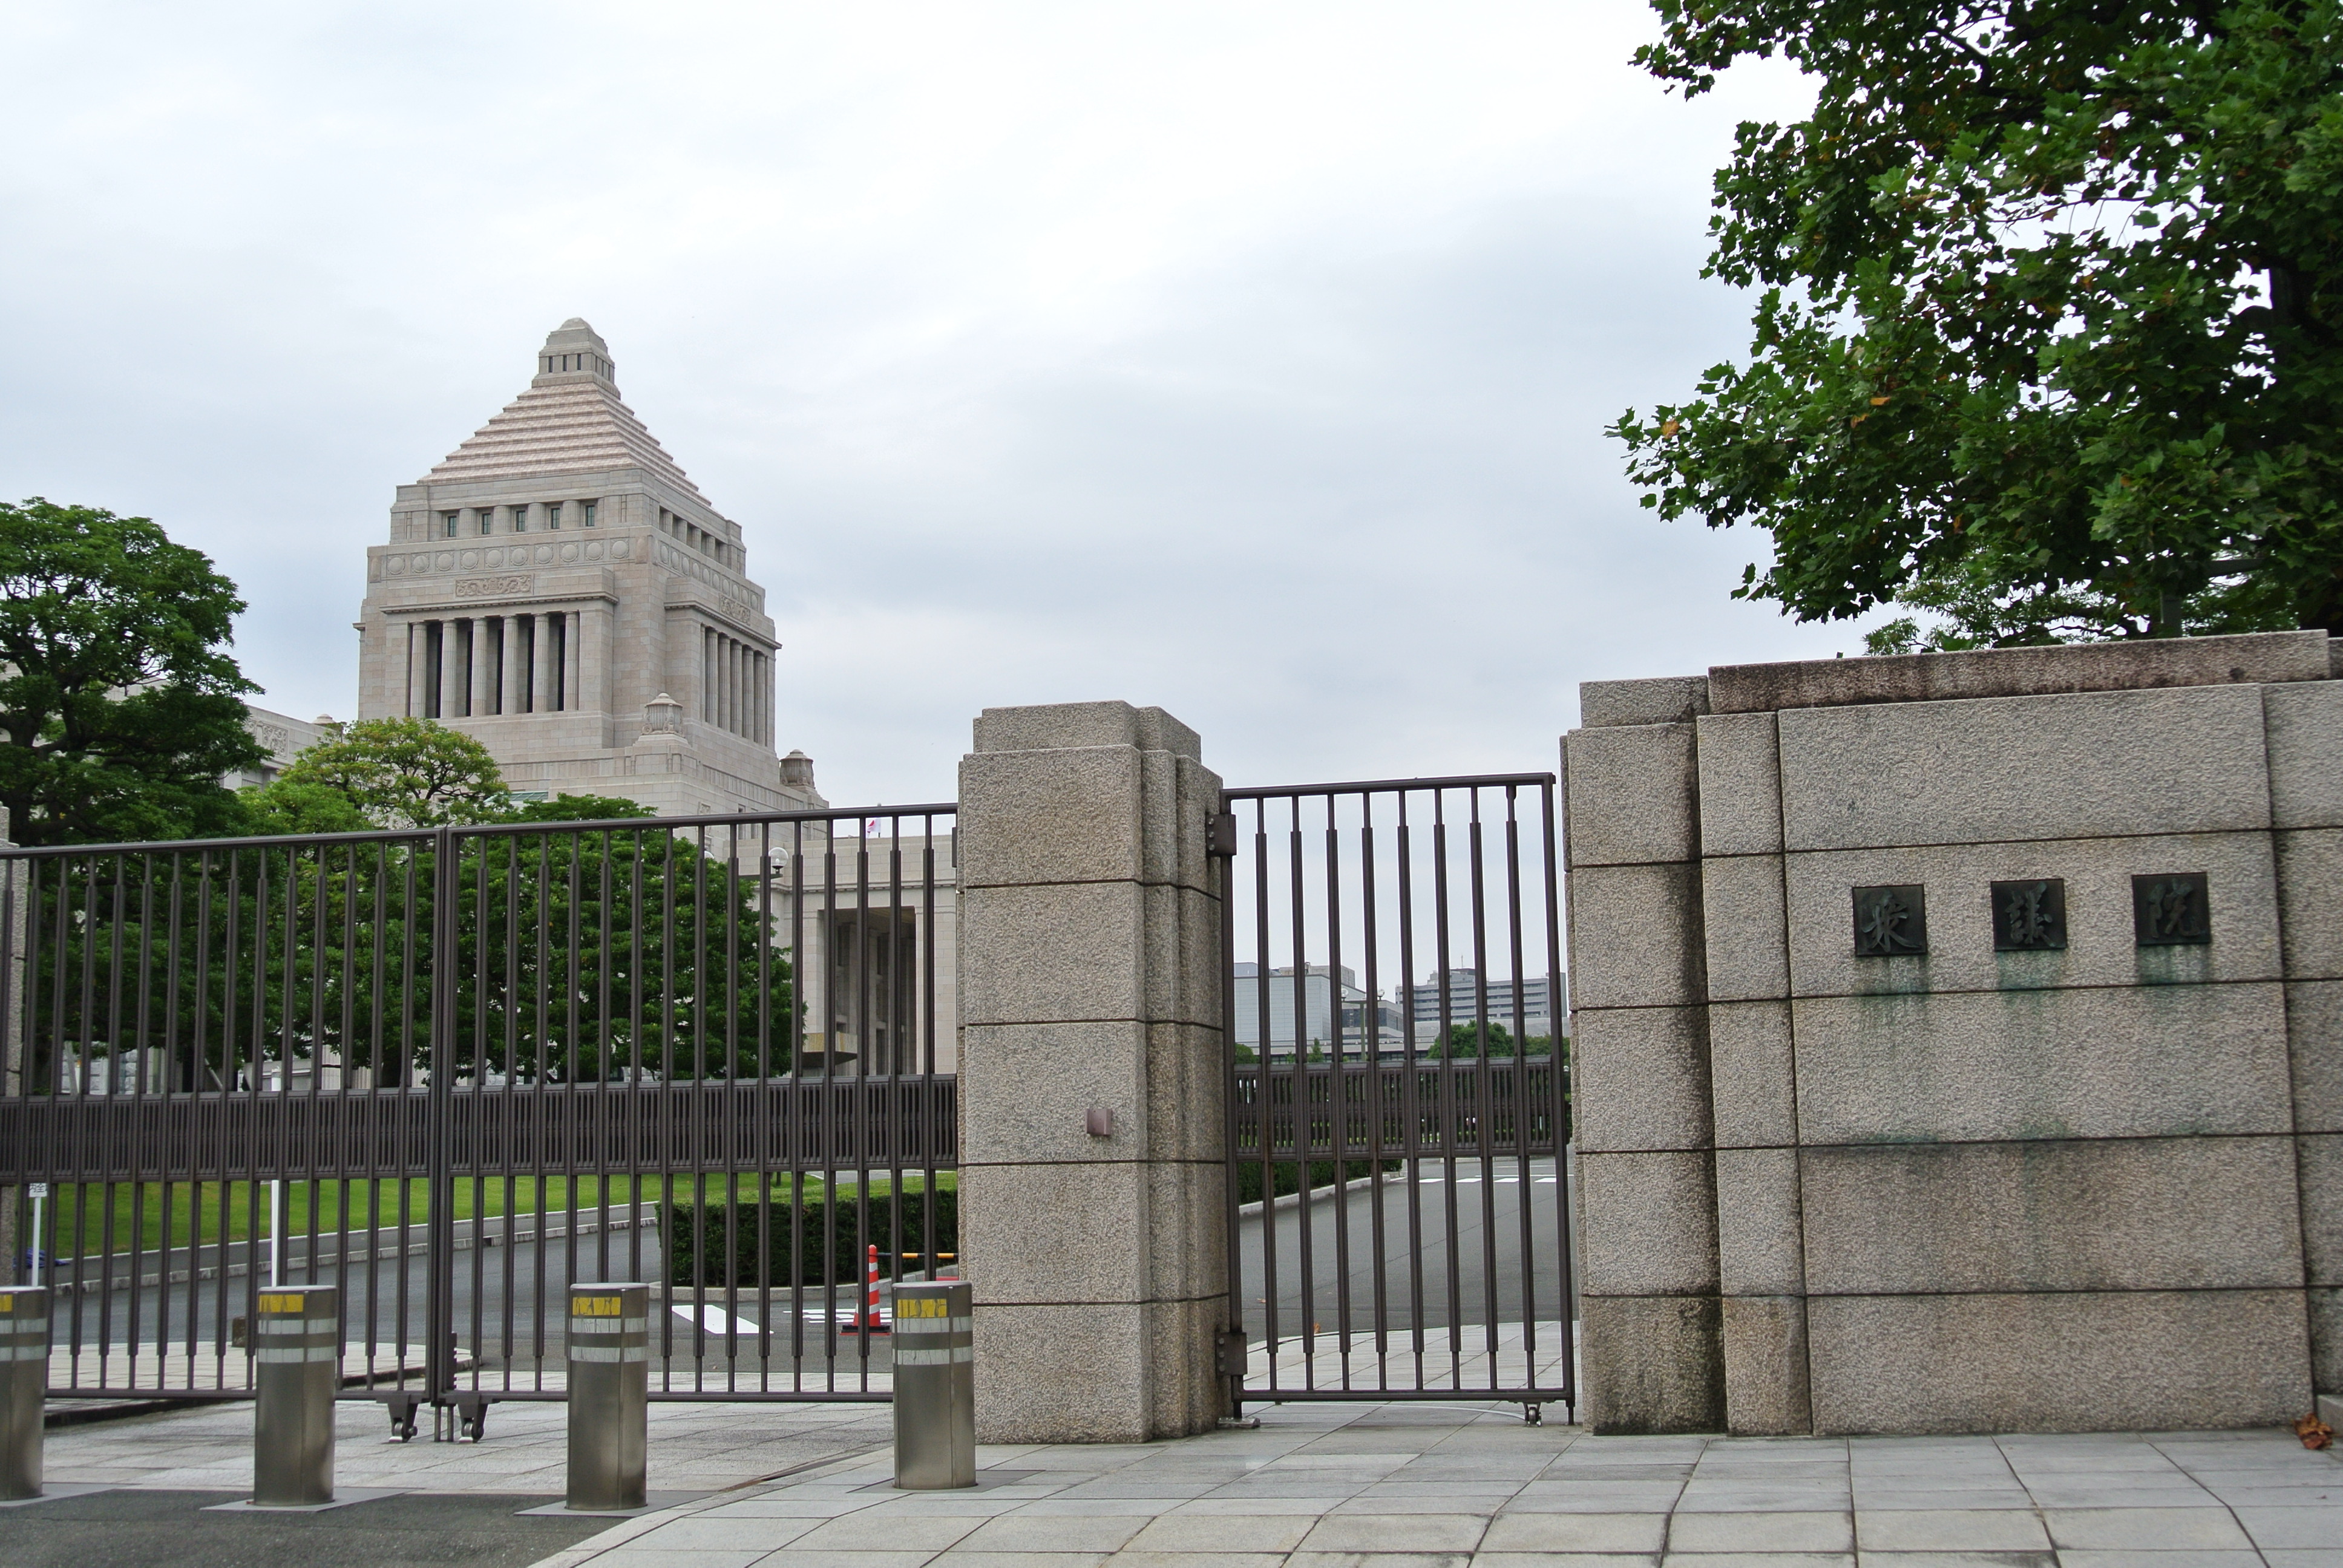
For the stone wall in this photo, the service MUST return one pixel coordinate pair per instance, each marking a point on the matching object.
(1868, 1143)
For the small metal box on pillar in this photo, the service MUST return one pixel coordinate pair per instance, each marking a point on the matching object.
(298, 1347)
(24, 1381)
(935, 1386)
(610, 1390)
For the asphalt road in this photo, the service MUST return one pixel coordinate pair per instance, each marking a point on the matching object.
(1333, 1271)
(706, 1342)
(138, 1529)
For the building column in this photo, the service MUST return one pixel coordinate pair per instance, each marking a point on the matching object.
(476, 642)
(1091, 983)
(408, 705)
(540, 665)
(594, 658)
(442, 654)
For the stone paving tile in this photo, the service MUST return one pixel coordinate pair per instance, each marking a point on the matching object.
(1275, 1533)
(1562, 1560)
(1385, 1532)
(2142, 1528)
(1378, 1560)
(2316, 1557)
(1759, 1560)
(1134, 1557)
(875, 1533)
(1950, 1528)
(2135, 1558)
(2320, 1526)
(1024, 1532)
(1773, 1532)
(1576, 1533)
(1871, 1559)
(1257, 1507)
(959, 1558)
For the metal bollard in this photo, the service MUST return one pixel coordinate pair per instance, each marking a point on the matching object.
(610, 1390)
(299, 1348)
(935, 1386)
(24, 1381)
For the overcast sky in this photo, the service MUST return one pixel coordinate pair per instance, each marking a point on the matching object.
(1247, 358)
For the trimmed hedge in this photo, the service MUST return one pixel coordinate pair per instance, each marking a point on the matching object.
(717, 1243)
(1288, 1176)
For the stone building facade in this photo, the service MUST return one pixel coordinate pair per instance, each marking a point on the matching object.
(1960, 1040)
(558, 589)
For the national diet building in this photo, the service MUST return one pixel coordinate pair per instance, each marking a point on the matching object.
(558, 589)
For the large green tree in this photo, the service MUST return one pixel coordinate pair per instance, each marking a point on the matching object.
(397, 773)
(2047, 340)
(120, 706)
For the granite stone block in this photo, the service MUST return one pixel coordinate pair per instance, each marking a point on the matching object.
(1636, 936)
(1050, 816)
(1186, 1091)
(1753, 1083)
(1071, 952)
(2160, 662)
(1026, 1090)
(2150, 1062)
(2325, 1308)
(1631, 794)
(2107, 1214)
(2304, 735)
(2310, 897)
(1180, 958)
(1186, 1255)
(1647, 1223)
(1180, 796)
(1030, 1358)
(1740, 784)
(2071, 767)
(2101, 948)
(1742, 913)
(1065, 726)
(1654, 1364)
(1095, 1215)
(2314, 1028)
(1186, 1393)
(1760, 1251)
(2046, 1362)
(2321, 1175)
(1640, 1078)
(1667, 700)
(1765, 1385)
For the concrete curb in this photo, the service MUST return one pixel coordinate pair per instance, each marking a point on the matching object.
(1248, 1210)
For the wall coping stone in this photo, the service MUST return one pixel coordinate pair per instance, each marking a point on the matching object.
(1667, 700)
(2143, 665)
(1063, 726)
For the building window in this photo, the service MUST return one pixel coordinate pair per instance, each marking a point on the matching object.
(487, 516)
(587, 507)
(553, 514)
(521, 519)
(450, 518)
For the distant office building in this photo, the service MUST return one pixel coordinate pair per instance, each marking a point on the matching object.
(1312, 996)
(285, 738)
(1465, 994)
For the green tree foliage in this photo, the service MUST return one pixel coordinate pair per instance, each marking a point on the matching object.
(404, 773)
(1462, 1042)
(582, 954)
(2047, 341)
(120, 706)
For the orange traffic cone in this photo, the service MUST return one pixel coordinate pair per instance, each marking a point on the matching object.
(868, 1321)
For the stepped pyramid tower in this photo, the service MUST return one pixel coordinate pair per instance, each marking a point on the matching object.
(558, 587)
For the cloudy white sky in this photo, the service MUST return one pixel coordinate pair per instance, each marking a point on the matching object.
(1249, 359)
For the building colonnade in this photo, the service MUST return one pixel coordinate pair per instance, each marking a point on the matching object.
(735, 687)
(481, 666)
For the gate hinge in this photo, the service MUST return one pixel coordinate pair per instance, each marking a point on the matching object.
(1230, 1353)
(1220, 833)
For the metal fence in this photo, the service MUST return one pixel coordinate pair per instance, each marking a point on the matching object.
(452, 1070)
(1398, 1090)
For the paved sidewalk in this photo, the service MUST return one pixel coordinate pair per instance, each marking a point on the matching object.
(693, 1447)
(1400, 1486)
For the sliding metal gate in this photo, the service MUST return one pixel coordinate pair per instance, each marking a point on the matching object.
(1398, 1091)
(452, 1070)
